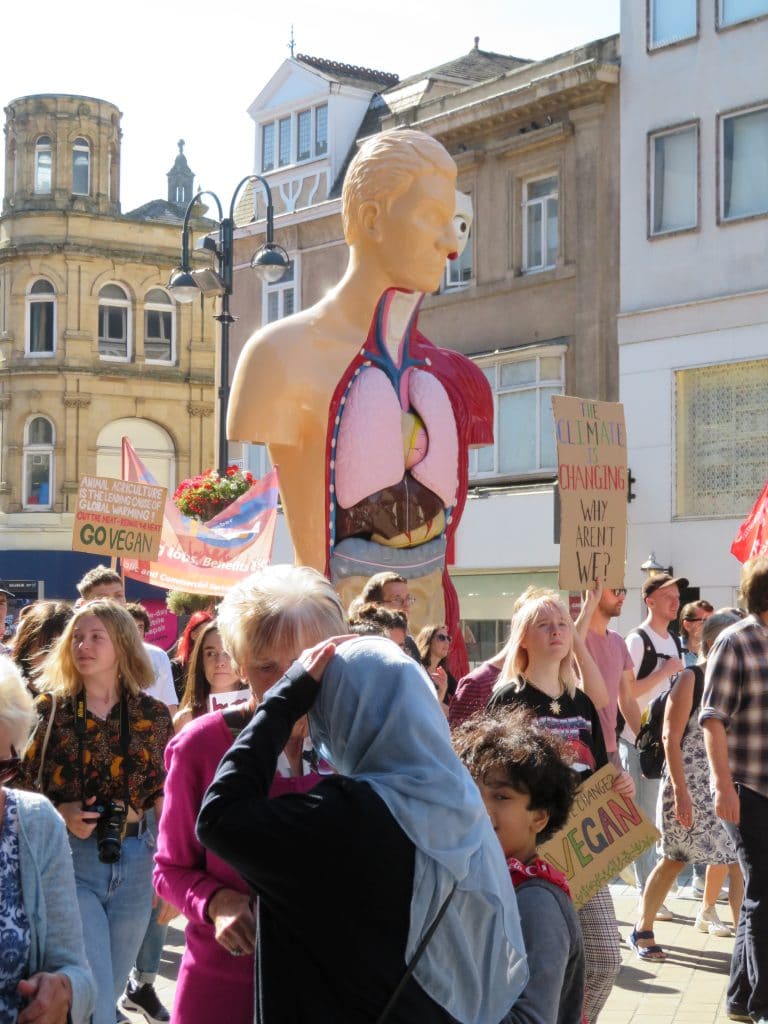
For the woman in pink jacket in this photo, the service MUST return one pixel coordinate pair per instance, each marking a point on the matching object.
(265, 622)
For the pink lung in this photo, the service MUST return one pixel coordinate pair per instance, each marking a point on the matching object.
(369, 449)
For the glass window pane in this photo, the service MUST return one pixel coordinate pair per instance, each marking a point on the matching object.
(288, 302)
(542, 187)
(81, 164)
(273, 307)
(321, 129)
(267, 147)
(484, 459)
(517, 432)
(41, 327)
(533, 251)
(742, 10)
(158, 296)
(672, 20)
(675, 184)
(521, 372)
(551, 368)
(745, 164)
(284, 144)
(304, 129)
(41, 288)
(38, 478)
(40, 431)
(553, 237)
(43, 168)
(112, 291)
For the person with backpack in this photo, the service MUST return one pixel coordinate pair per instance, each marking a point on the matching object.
(655, 654)
(690, 831)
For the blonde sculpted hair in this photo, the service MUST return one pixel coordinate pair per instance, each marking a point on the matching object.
(283, 607)
(516, 662)
(134, 670)
(384, 168)
(17, 712)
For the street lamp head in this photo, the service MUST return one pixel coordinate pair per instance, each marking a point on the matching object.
(270, 262)
(182, 286)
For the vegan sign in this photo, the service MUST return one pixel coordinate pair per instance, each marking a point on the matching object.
(603, 834)
(592, 478)
(118, 517)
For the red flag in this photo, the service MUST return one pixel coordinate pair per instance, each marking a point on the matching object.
(752, 538)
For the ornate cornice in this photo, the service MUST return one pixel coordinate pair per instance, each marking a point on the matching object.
(77, 401)
(200, 408)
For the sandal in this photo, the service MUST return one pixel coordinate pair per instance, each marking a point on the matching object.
(654, 952)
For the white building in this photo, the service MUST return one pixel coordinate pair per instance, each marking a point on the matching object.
(693, 326)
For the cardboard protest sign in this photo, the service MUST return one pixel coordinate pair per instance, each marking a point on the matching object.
(592, 479)
(604, 833)
(228, 699)
(118, 517)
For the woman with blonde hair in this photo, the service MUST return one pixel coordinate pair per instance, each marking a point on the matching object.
(538, 674)
(97, 754)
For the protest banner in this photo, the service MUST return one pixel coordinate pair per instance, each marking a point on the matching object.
(207, 558)
(604, 833)
(592, 481)
(752, 537)
(118, 517)
(229, 699)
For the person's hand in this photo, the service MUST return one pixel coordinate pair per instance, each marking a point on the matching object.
(233, 921)
(440, 680)
(315, 659)
(727, 803)
(80, 823)
(48, 996)
(684, 809)
(166, 911)
(624, 785)
(591, 597)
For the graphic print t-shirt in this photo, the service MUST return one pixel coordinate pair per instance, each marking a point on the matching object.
(575, 719)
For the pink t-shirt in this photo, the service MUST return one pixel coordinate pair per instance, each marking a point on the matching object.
(612, 658)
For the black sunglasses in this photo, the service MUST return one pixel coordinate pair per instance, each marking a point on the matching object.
(443, 636)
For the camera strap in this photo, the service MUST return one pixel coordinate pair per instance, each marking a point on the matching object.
(81, 727)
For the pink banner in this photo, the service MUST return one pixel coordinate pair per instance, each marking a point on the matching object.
(204, 559)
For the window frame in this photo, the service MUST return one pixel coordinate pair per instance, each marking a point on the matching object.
(279, 288)
(556, 350)
(651, 178)
(81, 145)
(317, 149)
(160, 307)
(37, 449)
(42, 148)
(31, 299)
(722, 117)
(126, 305)
(725, 26)
(526, 205)
(651, 47)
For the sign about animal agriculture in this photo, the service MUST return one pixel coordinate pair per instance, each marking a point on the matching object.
(604, 833)
(118, 517)
(592, 480)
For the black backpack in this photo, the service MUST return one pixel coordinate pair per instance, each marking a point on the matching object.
(648, 664)
(648, 741)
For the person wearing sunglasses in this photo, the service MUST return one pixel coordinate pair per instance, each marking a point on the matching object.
(692, 619)
(44, 972)
(434, 643)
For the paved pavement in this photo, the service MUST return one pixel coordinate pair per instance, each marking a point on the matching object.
(689, 988)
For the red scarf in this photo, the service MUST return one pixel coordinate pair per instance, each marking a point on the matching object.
(537, 868)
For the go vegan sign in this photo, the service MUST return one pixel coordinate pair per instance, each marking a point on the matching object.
(604, 833)
(119, 518)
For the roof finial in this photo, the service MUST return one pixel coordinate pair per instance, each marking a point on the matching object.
(292, 43)
(477, 42)
(180, 144)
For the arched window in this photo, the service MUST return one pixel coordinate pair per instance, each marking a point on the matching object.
(43, 166)
(159, 327)
(153, 444)
(41, 319)
(81, 168)
(37, 483)
(114, 323)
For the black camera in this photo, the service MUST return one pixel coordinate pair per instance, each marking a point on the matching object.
(109, 828)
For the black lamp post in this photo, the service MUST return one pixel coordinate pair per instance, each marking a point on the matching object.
(270, 261)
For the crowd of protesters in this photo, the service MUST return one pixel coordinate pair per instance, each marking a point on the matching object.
(351, 832)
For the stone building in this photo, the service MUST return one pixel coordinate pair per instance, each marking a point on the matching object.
(534, 297)
(92, 347)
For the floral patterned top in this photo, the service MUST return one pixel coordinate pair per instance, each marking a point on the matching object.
(14, 927)
(103, 768)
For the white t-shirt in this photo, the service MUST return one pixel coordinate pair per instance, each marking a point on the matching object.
(162, 688)
(663, 645)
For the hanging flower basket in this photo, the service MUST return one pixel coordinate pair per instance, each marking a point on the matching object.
(205, 495)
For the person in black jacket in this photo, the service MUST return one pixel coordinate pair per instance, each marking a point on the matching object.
(350, 876)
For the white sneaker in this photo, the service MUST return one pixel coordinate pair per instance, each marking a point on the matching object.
(664, 913)
(708, 921)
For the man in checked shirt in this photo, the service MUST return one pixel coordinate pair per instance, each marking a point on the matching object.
(734, 716)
